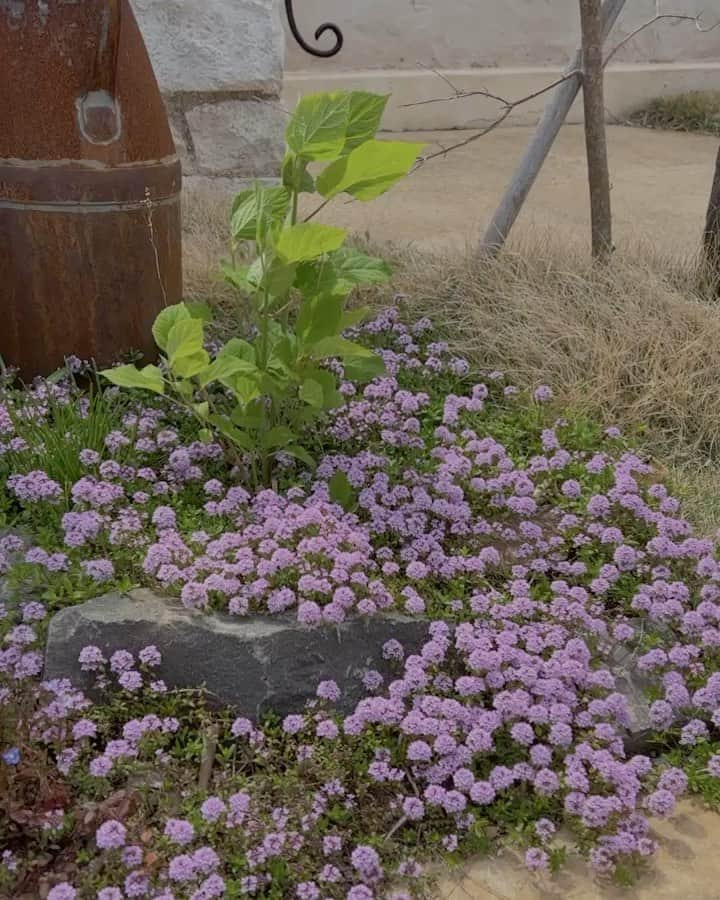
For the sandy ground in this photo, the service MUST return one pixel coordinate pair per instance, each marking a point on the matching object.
(660, 187)
(686, 867)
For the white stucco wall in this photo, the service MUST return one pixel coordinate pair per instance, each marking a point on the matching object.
(458, 34)
(509, 47)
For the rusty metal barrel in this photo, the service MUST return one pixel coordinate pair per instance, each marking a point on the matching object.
(90, 244)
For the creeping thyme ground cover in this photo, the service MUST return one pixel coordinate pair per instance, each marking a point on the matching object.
(532, 544)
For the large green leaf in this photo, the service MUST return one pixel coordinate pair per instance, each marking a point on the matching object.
(370, 170)
(266, 206)
(340, 347)
(339, 272)
(318, 126)
(148, 379)
(185, 352)
(276, 277)
(364, 117)
(223, 367)
(319, 317)
(308, 241)
(319, 389)
(165, 320)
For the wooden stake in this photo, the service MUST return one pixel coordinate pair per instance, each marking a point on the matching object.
(711, 238)
(547, 129)
(595, 138)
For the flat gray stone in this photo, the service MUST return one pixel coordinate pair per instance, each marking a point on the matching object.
(253, 664)
(213, 45)
(241, 138)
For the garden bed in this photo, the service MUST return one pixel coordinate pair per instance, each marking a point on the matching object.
(492, 592)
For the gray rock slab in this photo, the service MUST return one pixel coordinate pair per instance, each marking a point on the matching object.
(253, 664)
(213, 45)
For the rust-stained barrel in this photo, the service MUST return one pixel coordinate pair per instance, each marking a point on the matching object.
(89, 186)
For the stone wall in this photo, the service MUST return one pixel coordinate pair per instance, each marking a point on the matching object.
(219, 64)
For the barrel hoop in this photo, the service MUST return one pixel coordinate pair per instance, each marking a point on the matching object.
(47, 185)
(72, 208)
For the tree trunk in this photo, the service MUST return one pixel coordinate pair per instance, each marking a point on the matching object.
(595, 142)
(711, 237)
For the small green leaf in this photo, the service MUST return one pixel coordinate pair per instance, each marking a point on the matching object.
(308, 241)
(300, 453)
(311, 392)
(149, 379)
(202, 410)
(319, 389)
(318, 126)
(355, 267)
(278, 436)
(244, 387)
(295, 176)
(205, 435)
(370, 170)
(364, 117)
(237, 276)
(340, 347)
(251, 416)
(165, 320)
(261, 206)
(342, 492)
(198, 309)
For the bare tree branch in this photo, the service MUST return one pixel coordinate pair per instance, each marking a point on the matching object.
(659, 17)
(509, 106)
(460, 94)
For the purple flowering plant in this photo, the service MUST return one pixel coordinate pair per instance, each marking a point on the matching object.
(534, 546)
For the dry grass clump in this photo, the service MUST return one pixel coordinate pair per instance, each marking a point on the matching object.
(206, 214)
(634, 342)
(693, 111)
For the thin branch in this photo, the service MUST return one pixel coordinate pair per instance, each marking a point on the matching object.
(317, 210)
(509, 106)
(460, 94)
(658, 17)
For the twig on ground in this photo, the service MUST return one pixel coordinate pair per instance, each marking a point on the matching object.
(207, 761)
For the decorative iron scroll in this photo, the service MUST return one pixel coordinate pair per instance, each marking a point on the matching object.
(319, 32)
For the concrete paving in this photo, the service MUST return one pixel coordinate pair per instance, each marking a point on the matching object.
(686, 867)
(660, 188)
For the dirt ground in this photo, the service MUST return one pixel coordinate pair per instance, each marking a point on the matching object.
(660, 187)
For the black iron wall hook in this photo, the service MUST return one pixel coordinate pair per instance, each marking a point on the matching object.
(319, 32)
